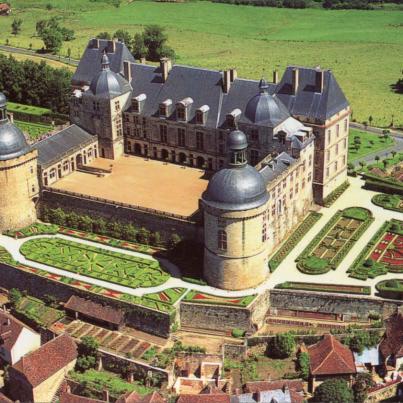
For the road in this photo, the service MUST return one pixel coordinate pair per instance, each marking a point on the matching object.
(49, 56)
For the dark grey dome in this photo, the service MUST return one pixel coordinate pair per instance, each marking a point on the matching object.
(3, 100)
(107, 84)
(12, 141)
(236, 189)
(237, 140)
(266, 109)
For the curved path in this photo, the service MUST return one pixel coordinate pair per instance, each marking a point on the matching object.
(286, 271)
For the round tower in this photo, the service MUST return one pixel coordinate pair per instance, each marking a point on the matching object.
(235, 222)
(18, 175)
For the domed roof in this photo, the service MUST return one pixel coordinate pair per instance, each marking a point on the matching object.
(265, 108)
(12, 141)
(107, 83)
(237, 140)
(236, 189)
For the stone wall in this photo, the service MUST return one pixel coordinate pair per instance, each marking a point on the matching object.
(349, 306)
(164, 224)
(139, 317)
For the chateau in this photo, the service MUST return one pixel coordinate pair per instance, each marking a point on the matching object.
(242, 160)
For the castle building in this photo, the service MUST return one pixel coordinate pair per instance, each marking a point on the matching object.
(209, 124)
(18, 174)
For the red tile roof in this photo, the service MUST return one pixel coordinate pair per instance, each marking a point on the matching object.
(4, 7)
(47, 360)
(330, 357)
(262, 386)
(94, 310)
(392, 341)
(10, 329)
(133, 397)
(67, 397)
(4, 399)
(217, 398)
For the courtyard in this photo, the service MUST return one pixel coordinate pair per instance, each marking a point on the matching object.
(139, 182)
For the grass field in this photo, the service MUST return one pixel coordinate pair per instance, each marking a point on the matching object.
(34, 130)
(363, 48)
(370, 143)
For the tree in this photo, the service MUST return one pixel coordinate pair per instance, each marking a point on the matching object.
(104, 35)
(40, 27)
(393, 153)
(52, 40)
(333, 391)
(16, 26)
(377, 158)
(15, 296)
(370, 119)
(360, 388)
(143, 236)
(303, 365)
(87, 353)
(139, 49)
(116, 3)
(359, 341)
(282, 345)
(124, 36)
(155, 41)
(385, 163)
(174, 240)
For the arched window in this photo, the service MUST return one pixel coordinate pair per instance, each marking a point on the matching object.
(264, 231)
(222, 240)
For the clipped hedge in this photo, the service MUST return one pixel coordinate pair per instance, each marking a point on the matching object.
(388, 201)
(332, 288)
(392, 289)
(332, 197)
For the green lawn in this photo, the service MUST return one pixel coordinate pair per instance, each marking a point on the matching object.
(363, 48)
(370, 143)
(95, 262)
(34, 130)
(28, 109)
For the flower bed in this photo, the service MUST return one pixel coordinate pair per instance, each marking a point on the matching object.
(204, 298)
(383, 253)
(292, 241)
(335, 288)
(326, 251)
(332, 197)
(34, 229)
(126, 270)
(389, 202)
(391, 288)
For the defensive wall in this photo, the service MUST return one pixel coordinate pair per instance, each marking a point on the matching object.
(165, 223)
(136, 316)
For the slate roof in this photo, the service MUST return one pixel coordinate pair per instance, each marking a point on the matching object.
(392, 341)
(94, 310)
(276, 167)
(10, 329)
(329, 357)
(258, 386)
(62, 143)
(90, 62)
(50, 358)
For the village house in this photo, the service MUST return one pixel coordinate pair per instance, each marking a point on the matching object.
(16, 339)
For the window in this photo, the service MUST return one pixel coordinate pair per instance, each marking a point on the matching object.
(254, 135)
(335, 166)
(310, 160)
(199, 117)
(284, 184)
(344, 160)
(117, 106)
(199, 140)
(327, 172)
(304, 166)
(221, 149)
(337, 130)
(163, 133)
(296, 188)
(136, 120)
(291, 193)
(33, 188)
(65, 165)
(345, 143)
(303, 183)
(222, 240)
(337, 149)
(119, 127)
(31, 169)
(328, 155)
(264, 230)
(345, 125)
(328, 135)
(273, 210)
(309, 177)
(52, 173)
(135, 105)
(180, 112)
(181, 137)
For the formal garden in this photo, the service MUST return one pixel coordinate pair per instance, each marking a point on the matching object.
(204, 298)
(383, 254)
(33, 130)
(114, 267)
(333, 288)
(330, 246)
(292, 241)
(392, 288)
(389, 201)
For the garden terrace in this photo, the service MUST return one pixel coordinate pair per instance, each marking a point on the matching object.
(204, 298)
(34, 229)
(326, 251)
(34, 130)
(389, 201)
(334, 288)
(95, 262)
(383, 254)
(146, 184)
(391, 288)
(292, 241)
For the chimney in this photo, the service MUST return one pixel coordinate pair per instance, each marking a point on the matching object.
(8, 322)
(233, 75)
(226, 81)
(166, 66)
(319, 80)
(111, 46)
(127, 71)
(95, 43)
(105, 395)
(275, 76)
(295, 80)
(142, 60)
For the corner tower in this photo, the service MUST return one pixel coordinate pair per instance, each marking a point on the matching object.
(235, 222)
(18, 175)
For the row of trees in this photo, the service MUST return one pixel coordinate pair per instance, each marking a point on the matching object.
(328, 4)
(151, 43)
(35, 83)
(114, 229)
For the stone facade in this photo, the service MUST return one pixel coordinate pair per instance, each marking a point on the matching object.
(19, 187)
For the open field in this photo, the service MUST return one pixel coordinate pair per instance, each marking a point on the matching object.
(363, 48)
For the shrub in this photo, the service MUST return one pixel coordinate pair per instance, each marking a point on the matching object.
(333, 391)
(369, 263)
(283, 345)
(303, 365)
(237, 333)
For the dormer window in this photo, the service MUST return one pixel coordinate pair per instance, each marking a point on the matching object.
(183, 109)
(233, 117)
(165, 108)
(138, 103)
(201, 115)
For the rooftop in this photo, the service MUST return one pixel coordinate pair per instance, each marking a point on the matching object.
(151, 184)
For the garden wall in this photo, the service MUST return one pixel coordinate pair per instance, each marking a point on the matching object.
(347, 306)
(164, 224)
(142, 318)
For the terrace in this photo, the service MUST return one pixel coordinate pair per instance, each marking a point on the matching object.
(147, 184)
